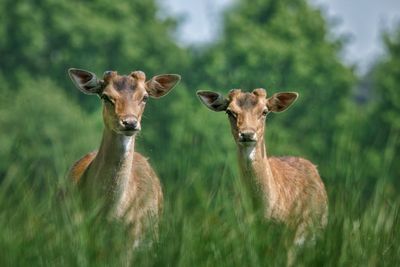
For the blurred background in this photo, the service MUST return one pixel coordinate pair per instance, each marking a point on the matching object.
(343, 57)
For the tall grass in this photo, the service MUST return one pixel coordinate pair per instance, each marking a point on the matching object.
(206, 222)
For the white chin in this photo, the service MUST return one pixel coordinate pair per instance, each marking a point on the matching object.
(248, 144)
(128, 133)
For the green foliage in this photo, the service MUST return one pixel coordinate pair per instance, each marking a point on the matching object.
(40, 131)
(387, 79)
(381, 117)
(202, 225)
(194, 131)
(281, 45)
(45, 38)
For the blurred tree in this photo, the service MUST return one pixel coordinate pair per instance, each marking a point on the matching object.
(279, 45)
(282, 46)
(383, 124)
(41, 131)
(44, 38)
(371, 124)
(386, 84)
(40, 40)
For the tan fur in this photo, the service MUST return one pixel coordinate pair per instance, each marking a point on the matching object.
(79, 167)
(144, 193)
(291, 188)
(300, 191)
(287, 189)
(116, 177)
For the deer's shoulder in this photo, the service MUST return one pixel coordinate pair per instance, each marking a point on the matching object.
(80, 166)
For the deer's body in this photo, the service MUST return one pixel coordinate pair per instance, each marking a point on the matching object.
(287, 189)
(123, 179)
(116, 177)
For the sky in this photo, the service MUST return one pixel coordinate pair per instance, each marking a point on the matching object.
(361, 20)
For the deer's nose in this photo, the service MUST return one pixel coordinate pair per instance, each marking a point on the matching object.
(130, 123)
(247, 136)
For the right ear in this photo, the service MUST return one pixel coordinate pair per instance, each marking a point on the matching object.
(85, 81)
(281, 101)
(212, 100)
(161, 85)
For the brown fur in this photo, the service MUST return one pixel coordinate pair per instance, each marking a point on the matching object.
(288, 189)
(115, 176)
(144, 190)
(300, 191)
(293, 192)
(79, 167)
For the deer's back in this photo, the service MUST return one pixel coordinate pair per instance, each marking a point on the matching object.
(300, 192)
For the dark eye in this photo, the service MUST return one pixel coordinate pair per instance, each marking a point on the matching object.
(144, 100)
(231, 113)
(265, 112)
(107, 99)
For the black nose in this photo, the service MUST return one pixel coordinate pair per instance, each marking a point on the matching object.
(129, 123)
(247, 136)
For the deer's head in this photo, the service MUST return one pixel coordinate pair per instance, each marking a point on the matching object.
(124, 97)
(247, 111)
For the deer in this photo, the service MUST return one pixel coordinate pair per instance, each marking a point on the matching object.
(116, 176)
(287, 190)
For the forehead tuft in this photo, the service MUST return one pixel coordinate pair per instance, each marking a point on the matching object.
(234, 93)
(247, 100)
(109, 75)
(121, 83)
(138, 75)
(260, 92)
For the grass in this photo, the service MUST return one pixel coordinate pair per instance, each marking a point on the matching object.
(206, 222)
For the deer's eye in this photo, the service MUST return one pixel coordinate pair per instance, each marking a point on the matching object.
(265, 112)
(145, 98)
(231, 113)
(107, 99)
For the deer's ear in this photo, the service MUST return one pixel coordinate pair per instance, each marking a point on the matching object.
(161, 85)
(85, 81)
(212, 100)
(281, 101)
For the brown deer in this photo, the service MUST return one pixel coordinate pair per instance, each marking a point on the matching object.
(288, 189)
(116, 176)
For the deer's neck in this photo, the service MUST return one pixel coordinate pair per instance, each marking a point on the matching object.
(112, 167)
(256, 174)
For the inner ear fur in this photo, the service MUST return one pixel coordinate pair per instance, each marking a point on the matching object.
(86, 81)
(281, 101)
(212, 100)
(161, 85)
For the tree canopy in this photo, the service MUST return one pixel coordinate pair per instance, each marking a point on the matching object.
(282, 46)
(44, 38)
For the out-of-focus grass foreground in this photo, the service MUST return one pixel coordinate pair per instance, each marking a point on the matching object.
(349, 126)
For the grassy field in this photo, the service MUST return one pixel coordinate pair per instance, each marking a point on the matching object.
(206, 222)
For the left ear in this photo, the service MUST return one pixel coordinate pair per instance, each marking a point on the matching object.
(281, 101)
(160, 85)
(85, 81)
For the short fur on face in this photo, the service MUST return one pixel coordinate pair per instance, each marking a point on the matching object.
(124, 96)
(247, 111)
